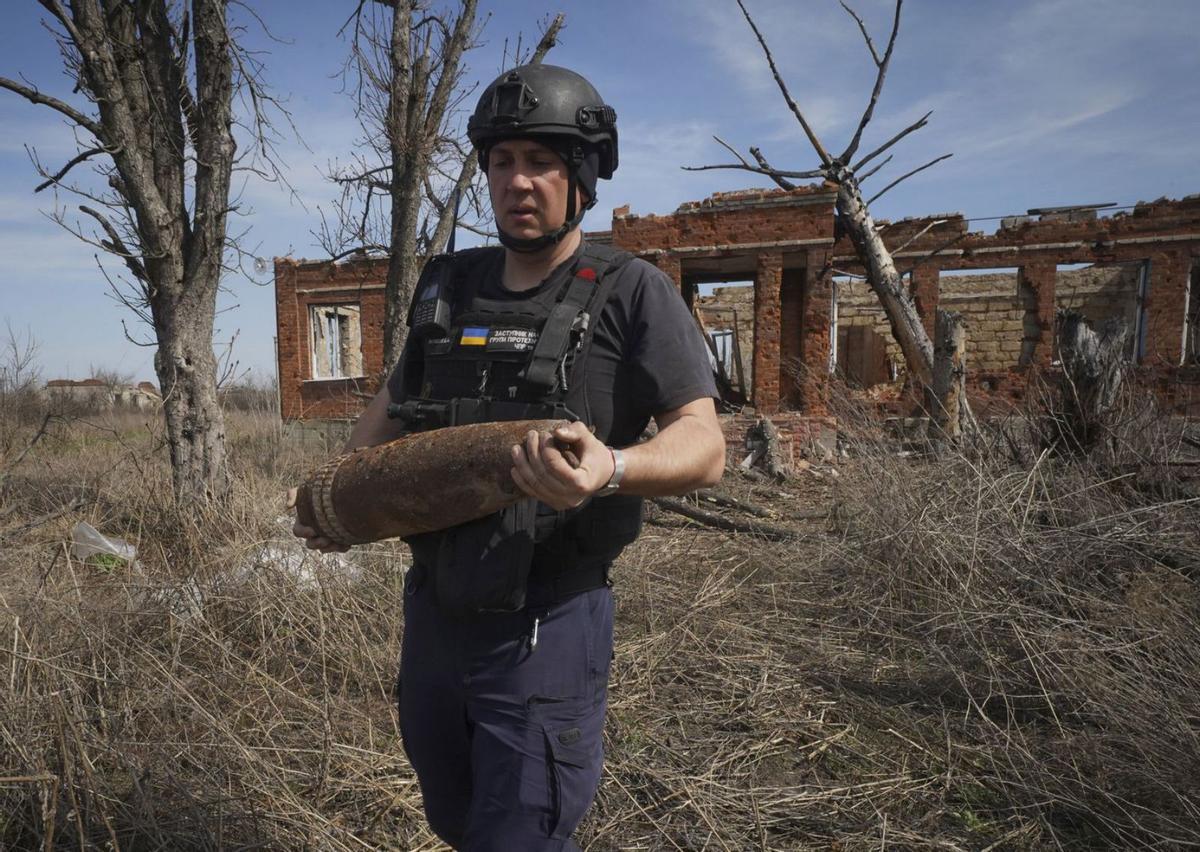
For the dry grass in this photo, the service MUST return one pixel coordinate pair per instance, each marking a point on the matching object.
(970, 654)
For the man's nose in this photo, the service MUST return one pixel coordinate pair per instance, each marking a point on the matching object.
(519, 180)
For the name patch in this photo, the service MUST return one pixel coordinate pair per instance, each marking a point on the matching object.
(438, 345)
(512, 339)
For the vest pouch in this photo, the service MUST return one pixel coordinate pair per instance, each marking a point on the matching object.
(594, 534)
(483, 565)
(613, 523)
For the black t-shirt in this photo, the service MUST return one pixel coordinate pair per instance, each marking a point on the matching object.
(647, 355)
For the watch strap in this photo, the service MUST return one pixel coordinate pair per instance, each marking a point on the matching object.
(614, 481)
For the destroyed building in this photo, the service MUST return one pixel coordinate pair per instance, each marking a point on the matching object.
(98, 394)
(787, 313)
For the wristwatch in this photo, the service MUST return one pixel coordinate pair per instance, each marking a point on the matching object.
(614, 481)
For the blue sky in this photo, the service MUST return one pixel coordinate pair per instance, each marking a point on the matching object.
(1042, 102)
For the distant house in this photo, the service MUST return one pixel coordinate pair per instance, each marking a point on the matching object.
(97, 393)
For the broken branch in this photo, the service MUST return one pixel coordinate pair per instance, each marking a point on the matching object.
(787, 96)
(867, 174)
(863, 29)
(712, 519)
(882, 66)
(774, 175)
(37, 436)
(116, 245)
(907, 175)
(34, 96)
(61, 173)
(918, 235)
(916, 125)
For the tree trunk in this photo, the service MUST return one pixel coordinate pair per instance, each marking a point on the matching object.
(948, 391)
(1093, 367)
(762, 439)
(187, 373)
(881, 272)
(403, 263)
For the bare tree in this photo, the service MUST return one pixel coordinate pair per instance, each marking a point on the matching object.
(854, 217)
(19, 373)
(399, 191)
(20, 400)
(157, 80)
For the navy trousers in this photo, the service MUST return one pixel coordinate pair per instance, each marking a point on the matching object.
(502, 717)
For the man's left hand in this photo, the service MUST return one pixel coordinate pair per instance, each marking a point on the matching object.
(541, 470)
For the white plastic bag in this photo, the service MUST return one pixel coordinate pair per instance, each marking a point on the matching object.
(87, 541)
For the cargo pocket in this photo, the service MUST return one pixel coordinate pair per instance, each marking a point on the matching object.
(573, 761)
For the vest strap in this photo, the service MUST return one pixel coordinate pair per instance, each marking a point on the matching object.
(555, 338)
(575, 312)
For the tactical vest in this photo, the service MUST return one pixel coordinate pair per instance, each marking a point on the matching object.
(522, 359)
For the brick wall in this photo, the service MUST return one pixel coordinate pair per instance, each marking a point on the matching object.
(784, 242)
(1013, 335)
(298, 286)
(745, 217)
(1003, 312)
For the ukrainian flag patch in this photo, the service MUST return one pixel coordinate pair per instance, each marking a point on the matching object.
(474, 335)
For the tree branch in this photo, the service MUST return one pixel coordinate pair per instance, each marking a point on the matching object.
(548, 40)
(116, 245)
(933, 253)
(863, 29)
(732, 150)
(446, 213)
(61, 173)
(776, 176)
(917, 236)
(867, 174)
(907, 175)
(787, 96)
(712, 519)
(916, 125)
(363, 249)
(882, 67)
(452, 51)
(34, 96)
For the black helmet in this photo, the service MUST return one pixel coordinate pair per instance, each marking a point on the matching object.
(560, 109)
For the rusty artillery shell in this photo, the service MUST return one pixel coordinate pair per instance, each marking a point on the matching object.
(419, 483)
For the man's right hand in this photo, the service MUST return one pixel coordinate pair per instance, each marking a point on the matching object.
(311, 539)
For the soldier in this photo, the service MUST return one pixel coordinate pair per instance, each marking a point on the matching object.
(508, 620)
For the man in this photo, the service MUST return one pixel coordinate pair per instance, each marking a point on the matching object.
(508, 620)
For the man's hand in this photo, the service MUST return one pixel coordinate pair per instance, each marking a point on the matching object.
(541, 470)
(311, 539)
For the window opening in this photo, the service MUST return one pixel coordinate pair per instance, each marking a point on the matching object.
(863, 352)
(336, 341)
(1103, 292)
(725, 313)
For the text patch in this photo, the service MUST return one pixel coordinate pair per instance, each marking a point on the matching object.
(512, 339)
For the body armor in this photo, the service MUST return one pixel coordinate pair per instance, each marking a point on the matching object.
(503, 359)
